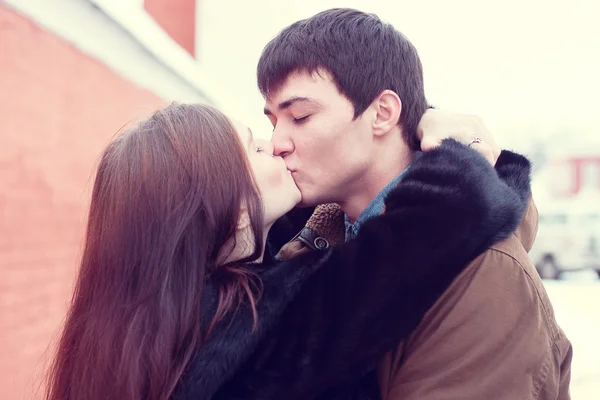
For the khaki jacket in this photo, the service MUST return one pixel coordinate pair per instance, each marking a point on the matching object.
(492, 335)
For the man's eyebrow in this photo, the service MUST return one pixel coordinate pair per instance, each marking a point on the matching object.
(292, 100)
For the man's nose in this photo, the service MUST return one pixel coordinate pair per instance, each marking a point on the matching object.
(282, 143)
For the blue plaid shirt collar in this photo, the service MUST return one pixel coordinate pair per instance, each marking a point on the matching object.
(374, 208)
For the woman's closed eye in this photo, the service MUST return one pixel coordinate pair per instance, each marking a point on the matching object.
(263, 146)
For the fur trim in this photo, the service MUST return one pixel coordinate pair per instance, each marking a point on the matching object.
(328, 222)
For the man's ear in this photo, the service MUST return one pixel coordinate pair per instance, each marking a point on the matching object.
(387, 108)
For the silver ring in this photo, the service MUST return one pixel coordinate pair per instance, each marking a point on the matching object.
(475, 139)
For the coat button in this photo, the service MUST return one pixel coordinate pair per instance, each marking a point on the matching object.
(321, 243)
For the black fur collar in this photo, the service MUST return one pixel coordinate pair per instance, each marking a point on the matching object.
(234, 338)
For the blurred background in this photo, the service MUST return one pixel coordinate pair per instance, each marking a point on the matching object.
(73, 72)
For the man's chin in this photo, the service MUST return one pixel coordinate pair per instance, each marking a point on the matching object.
(310, 199)
(307, 202)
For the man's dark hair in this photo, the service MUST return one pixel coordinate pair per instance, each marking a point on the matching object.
(364, 55)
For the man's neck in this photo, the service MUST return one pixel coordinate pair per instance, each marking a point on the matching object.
(375, 179)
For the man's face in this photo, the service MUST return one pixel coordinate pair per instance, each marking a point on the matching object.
(314, 131)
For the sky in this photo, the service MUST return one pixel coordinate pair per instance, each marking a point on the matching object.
(529, 68)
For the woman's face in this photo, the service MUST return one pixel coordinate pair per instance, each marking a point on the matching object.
(277, 188)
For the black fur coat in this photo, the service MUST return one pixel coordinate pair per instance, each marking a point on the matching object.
(327, 318)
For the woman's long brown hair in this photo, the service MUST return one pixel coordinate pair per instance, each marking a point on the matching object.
(166, 202)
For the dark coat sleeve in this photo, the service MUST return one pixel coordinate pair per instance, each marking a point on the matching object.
(371, 292)
(285, 228)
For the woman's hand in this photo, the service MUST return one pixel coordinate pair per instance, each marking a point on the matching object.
(437, 125)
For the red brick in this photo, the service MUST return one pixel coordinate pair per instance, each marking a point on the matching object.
(59, 108)
(177, 18)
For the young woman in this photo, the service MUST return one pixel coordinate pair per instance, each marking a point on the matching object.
(173, 299)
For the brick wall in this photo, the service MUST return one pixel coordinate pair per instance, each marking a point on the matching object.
(58, 109)
(177, 18)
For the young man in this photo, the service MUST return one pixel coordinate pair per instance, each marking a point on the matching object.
(345, 95)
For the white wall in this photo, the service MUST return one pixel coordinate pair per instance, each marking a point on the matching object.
(127, 41)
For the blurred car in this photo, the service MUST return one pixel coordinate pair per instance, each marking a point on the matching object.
(568, 236)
